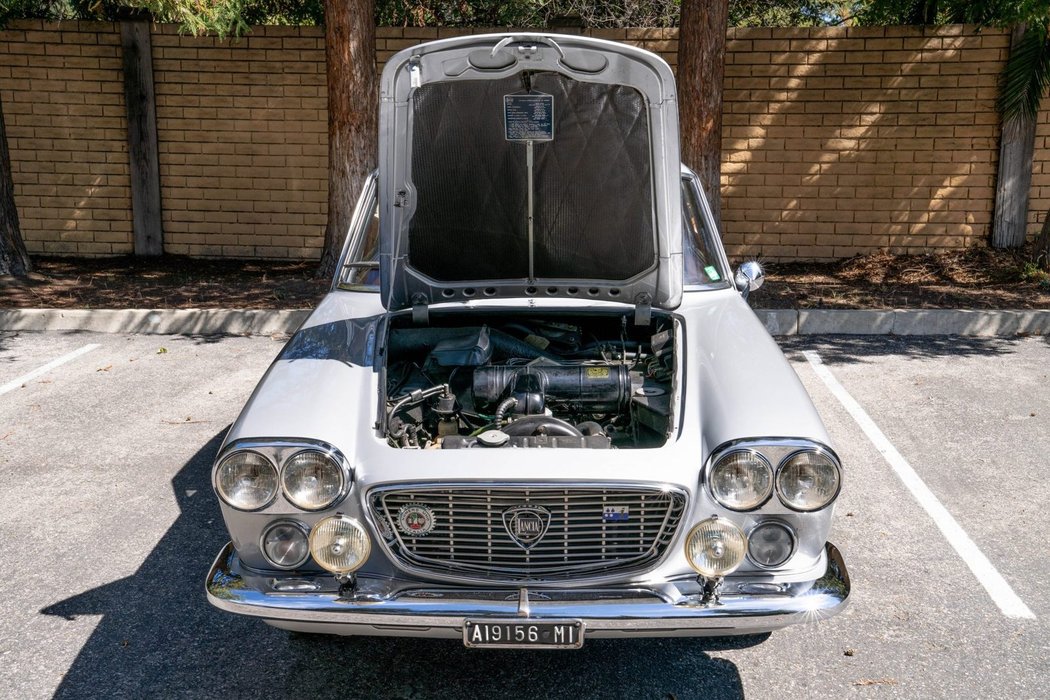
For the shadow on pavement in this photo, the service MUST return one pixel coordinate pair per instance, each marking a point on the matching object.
(848, 349)
(158, 637)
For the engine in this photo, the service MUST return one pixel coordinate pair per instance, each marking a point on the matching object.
(600, 382)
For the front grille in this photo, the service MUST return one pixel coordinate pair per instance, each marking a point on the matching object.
(591, 531)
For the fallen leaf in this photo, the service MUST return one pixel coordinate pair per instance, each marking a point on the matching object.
(104, 369)
(162, 351)
(849, 652)
(876, 681)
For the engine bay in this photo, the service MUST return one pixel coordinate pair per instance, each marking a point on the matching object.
(599, 381)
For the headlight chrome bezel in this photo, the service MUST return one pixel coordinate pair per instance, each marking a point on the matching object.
(336, 459)
(778, 452)
(822, 452)
(278, 453)
(285, 522)
(771, 473)
(225, 497)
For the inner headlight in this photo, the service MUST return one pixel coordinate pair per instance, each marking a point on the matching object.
(313, 480)
(285, 544)
(808, 480)
(339, 544)
(246, 480)
(770, 544)
(715, 547)
(741, 480)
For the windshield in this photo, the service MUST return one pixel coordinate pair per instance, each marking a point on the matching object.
(703, 265)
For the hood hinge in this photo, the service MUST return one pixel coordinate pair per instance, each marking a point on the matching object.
(420, 310)
(643, 309)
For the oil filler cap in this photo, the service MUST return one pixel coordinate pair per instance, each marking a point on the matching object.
(493, 438)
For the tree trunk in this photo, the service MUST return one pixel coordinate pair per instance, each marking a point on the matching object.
(14, 260)
(1014, 179)
(1041, 248)
(353, 114)
(701, 71)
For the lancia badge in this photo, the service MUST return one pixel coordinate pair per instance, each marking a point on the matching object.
(415, 519)
(526, 525)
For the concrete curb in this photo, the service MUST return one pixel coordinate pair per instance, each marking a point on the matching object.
(776, 321)
(155, 321)
(905, 322)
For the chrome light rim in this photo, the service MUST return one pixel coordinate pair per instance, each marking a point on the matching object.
(718, 456)
(769, 523)
(809, 450)
(222, 497)
(301, 527)
(344, 476)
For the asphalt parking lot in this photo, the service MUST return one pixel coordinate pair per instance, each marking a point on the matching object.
(108, 524)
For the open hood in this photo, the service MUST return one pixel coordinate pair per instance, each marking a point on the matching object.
(529, 165)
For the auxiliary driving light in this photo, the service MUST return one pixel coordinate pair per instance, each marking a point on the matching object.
(285, 544)
(770, 544)
(339, 544)
(715, 547)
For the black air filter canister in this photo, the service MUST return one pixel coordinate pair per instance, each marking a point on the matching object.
(594, 387)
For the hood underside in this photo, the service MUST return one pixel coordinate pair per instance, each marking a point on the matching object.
(515, 166)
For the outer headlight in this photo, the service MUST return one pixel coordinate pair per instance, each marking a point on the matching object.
(715, 547)
(313, 480)
(808, 480)
(339, 544)
(741, 480)
(285, 544)
(246, 480)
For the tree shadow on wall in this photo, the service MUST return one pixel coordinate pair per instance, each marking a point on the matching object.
(158, 637)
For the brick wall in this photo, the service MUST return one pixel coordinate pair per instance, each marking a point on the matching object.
(63, 101)
(836, 141)
(1040, 193)
(242, 131)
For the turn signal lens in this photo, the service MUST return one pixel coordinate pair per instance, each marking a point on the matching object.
(313, 480)
(285, 545)
(715, 547)
(339, 544)
(808, 481)
(770, 544)
(741, 480)
(246, 480)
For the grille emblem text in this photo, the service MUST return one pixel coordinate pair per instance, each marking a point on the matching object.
(526, 525)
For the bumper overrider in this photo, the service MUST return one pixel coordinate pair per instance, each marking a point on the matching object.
(443, 612)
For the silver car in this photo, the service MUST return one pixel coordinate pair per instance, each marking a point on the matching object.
(535, 408)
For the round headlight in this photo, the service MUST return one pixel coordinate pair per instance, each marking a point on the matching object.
(313, 480)
(285, 544)
(770, 544)
(339, 544)
(808, 481)
(741, 480)
(715, 547)
(246, 480)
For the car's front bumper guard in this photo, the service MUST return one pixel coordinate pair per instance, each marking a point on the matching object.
(444, 616)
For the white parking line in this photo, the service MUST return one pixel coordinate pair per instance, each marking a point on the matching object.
(15, 383)
(999, 590)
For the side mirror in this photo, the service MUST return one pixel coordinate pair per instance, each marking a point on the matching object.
(749, 277)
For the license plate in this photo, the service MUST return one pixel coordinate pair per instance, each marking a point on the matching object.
(523, 634)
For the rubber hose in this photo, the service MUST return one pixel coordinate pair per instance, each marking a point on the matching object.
(531, 425)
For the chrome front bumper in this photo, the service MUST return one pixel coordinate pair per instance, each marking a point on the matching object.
(421, 613)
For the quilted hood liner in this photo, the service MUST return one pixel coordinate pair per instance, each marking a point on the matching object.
(593, 209)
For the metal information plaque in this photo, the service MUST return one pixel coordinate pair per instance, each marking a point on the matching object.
(529, 117)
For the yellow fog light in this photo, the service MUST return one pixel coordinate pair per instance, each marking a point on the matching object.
(715, 547)
(339, 544)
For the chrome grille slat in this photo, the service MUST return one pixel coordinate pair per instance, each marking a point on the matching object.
(469, 537)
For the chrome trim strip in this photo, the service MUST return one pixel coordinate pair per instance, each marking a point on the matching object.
(640, 616)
